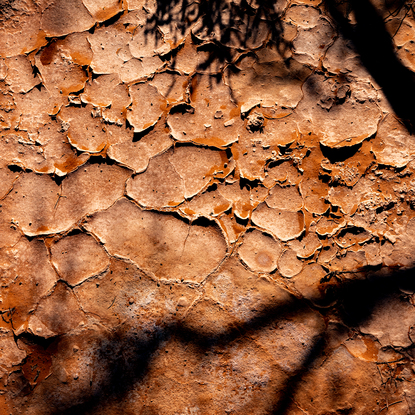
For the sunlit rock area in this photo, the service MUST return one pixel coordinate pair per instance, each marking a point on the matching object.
(207, 207)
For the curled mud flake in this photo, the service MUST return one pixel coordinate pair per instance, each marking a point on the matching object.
(260, 251)
(314, 194)
(291, 339)
(393, 145)
(27, 276)
(269, 83)
(78, 257)
(352, 235)
(208, 204)
(242, 293)
(20, 74)
(258, 195)
(137, 154)
(231, 228)
(240, 197)
(289, 264)
(20, 30)
(282, 224)
(285, 198)
(353, 118)
(208, 95)
(59, 74)
(347, 199)
(171, 85)
(74, 47)
(85, 132)
(7, 177)
(59, 312)
(282, 172)
(138, 69)
(37, 328)
(306, 246)
(66, 16)
(350, 167)
(328, 227)
(186, 57)
(58, 155)
(197, 166)
(159, 186)
(168, 249)
(310, 44)
(124, 294)
(281, 132)
(117, 112)
(131, 20)
(145, 44)
(303, 16)
(103, 9)
(18, 150)
(55, 156)
(35, 108)
(125, 54)
(328, 253)
(11, 354)
(145, 96)
(105, 44)
(100, 91)
(391, 321)
(250, 159)
(177, 27)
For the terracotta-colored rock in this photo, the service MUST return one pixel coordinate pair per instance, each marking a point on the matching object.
(260, 251)
(166, 241)
(206, 207)
(283, 224)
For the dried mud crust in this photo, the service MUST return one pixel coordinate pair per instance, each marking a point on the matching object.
(202, 211)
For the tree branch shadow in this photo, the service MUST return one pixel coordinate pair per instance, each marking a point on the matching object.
(374, 45)
(356, 300)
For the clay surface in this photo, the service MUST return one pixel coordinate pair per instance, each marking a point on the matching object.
(207, 207)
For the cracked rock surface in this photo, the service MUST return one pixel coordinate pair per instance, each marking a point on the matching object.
(206, 207)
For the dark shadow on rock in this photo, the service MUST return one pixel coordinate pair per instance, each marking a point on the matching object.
(126, 356)
(374, 45)
(223, 26)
